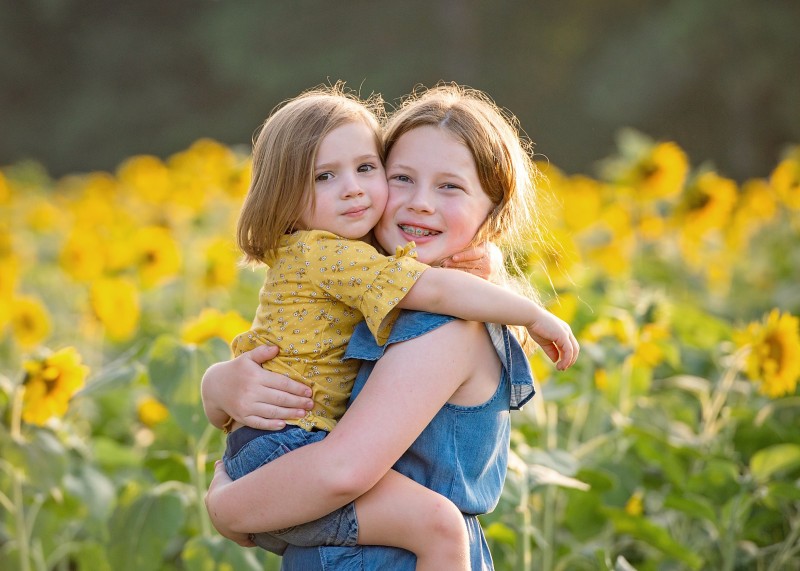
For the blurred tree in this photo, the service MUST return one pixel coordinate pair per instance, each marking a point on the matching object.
(86, 83)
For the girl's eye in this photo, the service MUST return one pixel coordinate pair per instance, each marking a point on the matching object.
(322, 177)
(401, 178)
(448, 186)
(366, 168)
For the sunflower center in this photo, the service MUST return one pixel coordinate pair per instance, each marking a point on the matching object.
(775, 348)
(698, 200)
(648, 170)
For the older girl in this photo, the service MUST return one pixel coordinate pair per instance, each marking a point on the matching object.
(440, 388)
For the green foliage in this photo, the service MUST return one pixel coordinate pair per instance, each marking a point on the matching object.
(174, 370)
(655, 452)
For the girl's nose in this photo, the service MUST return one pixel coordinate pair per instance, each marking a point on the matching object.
(351, 188)
(420, 201)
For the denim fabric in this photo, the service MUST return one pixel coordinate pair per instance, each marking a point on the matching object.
(462, 454)
(378, 557)
(248, 449)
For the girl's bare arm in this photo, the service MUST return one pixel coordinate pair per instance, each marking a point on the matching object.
(408, 386)
(253, 396)
(469, 297)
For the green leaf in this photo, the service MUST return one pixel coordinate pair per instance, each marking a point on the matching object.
(500, 532)
(123, 371)
(559, 460)
(167, 466)
(717, 481)
(695, 506)
(92, 488)
(779, 458)
(547, 476)
(218, 554)
(780, 492)
(584, 515)
(175, 371)
(90, 556)
(112, 455)
(142, 527)
(698, 328)
(658, 537)
(773, 406)
(692, 384)
(42, 458)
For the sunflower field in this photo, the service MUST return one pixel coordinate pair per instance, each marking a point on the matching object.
(672, 444)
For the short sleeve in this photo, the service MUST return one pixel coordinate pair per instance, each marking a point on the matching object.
(391, 284)
(357, 275)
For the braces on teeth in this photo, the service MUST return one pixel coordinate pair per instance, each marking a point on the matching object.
(416, 231)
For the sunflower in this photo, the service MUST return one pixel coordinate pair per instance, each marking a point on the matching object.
(649, 346)
(708, 204)
(635, 504)
(758, 206)
(147, 178)
(9, 277)
(213, 323)
(660, 174)
(558, 257)
(50, 383)
(95, 205)
(785, 179)
(43, 216)
(774, 357)
(30, 321)
(158, 255)
(5, 190)
(115, 302)
(151, 411)
(82, 255)
(220, 266)
(202, 171)
(581, 198)
(706, 211)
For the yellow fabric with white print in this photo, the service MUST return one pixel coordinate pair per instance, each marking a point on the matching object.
(318, 287)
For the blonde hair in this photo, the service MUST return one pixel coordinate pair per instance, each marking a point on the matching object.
(284, 153)
(501, 152)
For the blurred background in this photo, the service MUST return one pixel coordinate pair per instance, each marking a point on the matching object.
(673, 251)
(86, 83)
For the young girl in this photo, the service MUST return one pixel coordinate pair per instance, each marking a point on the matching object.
(343, 200)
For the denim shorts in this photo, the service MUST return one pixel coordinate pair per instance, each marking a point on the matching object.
(248, 449)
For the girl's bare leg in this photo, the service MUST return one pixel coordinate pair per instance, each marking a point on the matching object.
(399, 512)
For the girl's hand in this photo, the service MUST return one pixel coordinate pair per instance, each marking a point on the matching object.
(218, 482)
(556, 339)
(252, 395)
(484, 261)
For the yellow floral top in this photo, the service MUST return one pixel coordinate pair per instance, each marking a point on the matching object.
(318, 287)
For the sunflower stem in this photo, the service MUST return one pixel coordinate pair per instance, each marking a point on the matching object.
(714, 408)
(199, 477)
(549, 508)
(21, 526)
(16, 413)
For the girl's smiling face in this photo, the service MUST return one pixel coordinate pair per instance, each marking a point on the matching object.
(349, 183)
(435, 196)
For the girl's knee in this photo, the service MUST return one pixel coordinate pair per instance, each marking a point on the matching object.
(444, 522)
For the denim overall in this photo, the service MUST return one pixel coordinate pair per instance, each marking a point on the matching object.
(462, 454)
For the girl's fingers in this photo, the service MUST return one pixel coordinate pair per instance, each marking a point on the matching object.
(551, 351)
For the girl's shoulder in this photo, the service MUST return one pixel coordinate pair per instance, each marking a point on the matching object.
(410, 325)
(304, 242)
